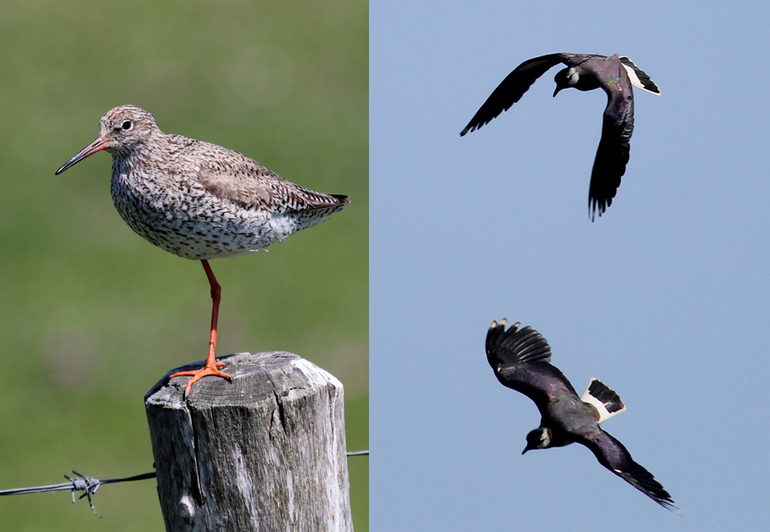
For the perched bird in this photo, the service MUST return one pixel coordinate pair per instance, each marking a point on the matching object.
(198, 200)
(585, 72)
(521, 361)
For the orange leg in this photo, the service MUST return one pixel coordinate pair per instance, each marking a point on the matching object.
(212, 366)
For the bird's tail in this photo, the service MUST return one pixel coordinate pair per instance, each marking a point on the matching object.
(639, 77)
(605, 400)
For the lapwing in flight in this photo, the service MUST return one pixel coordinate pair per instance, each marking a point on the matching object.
(615, 75)
(521, 359)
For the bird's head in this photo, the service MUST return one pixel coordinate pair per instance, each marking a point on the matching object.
(540, 438)
(565, 79)
(120, 131)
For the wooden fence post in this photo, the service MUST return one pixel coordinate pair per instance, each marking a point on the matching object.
(264, 452)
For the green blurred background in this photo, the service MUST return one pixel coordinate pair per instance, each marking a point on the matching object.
(91, 314)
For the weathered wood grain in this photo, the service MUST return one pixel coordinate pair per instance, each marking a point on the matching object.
(265, 452)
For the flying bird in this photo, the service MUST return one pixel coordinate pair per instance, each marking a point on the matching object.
(615, 75)
(521, 359)
(199, 201)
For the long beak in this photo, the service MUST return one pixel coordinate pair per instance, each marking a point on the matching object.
(97, 145)
(525, 450)
(557, 91)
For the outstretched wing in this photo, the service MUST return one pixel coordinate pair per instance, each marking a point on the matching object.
(515, 346)
(512, 89)
(614, 146)
(615, 457)
(521, 361)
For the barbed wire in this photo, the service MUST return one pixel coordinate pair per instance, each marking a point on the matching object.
(90, 484)
(77, 483)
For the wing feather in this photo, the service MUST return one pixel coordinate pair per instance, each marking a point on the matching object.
(614, 147)
(511, 89)
(615, 457)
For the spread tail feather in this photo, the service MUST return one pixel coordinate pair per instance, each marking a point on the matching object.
(639, 77)
(605, 400)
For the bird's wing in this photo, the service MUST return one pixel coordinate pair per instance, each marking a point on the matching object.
(614, 146)
(615, 457)
(639, 77)
(512, 89)
(515, 346)
(234, 177)
(520, 359)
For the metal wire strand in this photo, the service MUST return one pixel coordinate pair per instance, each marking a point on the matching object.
(89, 485)
(78, 483)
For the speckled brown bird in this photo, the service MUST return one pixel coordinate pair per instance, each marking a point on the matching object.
(198, 200)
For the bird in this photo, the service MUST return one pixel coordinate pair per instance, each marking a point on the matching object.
(199, 201)
(614, 75)
(521, 359)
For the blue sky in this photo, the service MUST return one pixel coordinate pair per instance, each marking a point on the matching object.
(664, 298)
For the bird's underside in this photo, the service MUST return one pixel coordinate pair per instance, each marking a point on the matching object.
(615, 75)
(520, 359)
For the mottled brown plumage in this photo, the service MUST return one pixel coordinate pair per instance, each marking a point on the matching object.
(198, 200)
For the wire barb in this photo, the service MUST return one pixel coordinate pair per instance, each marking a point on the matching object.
(87, 484)
(78, 483)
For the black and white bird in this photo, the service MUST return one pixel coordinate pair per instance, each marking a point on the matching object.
(615, 75)
(521, 361)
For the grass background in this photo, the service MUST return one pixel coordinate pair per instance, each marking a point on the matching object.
(91, 315)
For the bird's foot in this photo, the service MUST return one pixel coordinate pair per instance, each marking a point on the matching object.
(198, 374)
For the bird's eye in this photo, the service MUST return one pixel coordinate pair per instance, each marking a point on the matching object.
(128, 124)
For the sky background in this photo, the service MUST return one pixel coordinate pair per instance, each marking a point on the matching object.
(664, 298)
